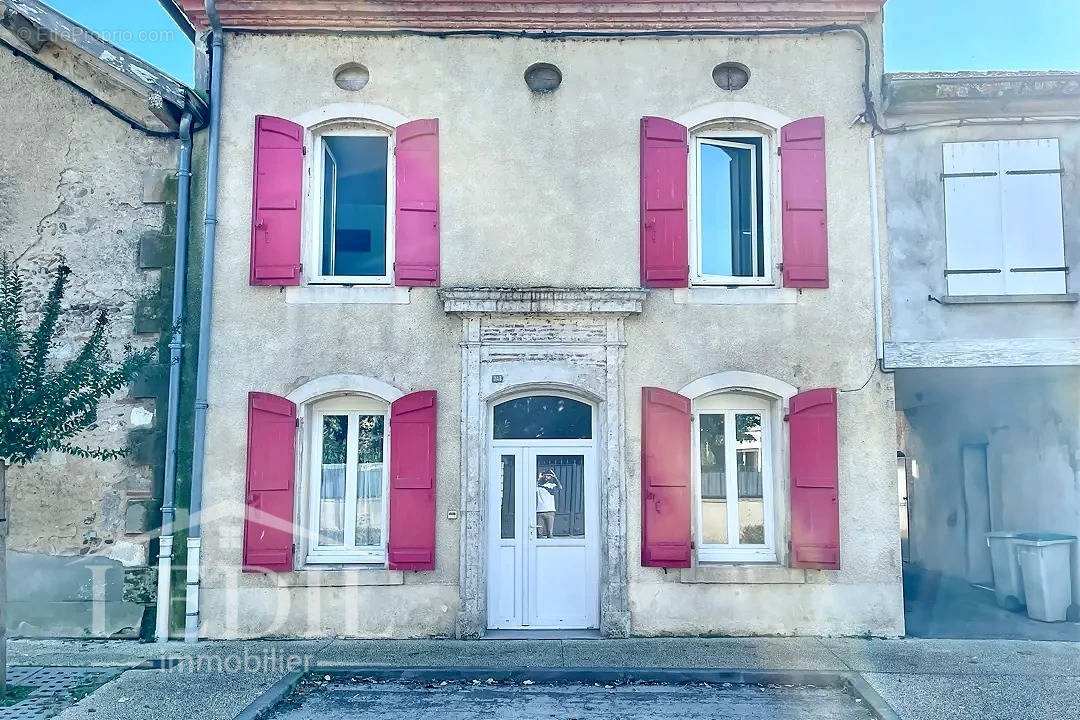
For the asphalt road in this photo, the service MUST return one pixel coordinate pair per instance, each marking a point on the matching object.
(356, 699)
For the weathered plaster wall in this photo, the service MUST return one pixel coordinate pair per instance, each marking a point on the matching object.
(865, 595)
(915, 202)
(261, 343)
(72, 184)
(543, 191)
(1029, 420)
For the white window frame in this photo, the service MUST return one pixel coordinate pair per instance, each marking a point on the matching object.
(732, 403)
(315, 201)
(352, 406)
(711, 135)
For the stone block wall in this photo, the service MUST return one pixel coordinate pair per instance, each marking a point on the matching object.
(77, 183)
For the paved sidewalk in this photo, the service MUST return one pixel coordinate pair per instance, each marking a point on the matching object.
(921, 679)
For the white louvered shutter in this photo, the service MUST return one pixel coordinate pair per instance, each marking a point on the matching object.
(1003, 219)
(1031, 205)
(975, 247)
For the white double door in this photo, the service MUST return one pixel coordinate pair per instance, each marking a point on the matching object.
(543, 536)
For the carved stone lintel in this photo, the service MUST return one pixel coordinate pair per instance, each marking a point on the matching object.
(555, 301)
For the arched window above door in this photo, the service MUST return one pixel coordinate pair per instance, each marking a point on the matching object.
(542, 417)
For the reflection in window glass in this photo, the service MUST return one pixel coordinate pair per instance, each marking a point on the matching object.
(332, 480)
(748, 460)
(543, 417)
(369, 480)
(354, 205)
(560, 496)
(734, 500)
(714, 517)
(329, 209)
(730, 217)
(506, 513)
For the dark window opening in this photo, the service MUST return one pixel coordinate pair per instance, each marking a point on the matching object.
(541, 417)
(354, 206)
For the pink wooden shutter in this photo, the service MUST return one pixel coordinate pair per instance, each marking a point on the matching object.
(275, 202)
(665, 479)
(412, 482)
(664, 221)
(271, 468)
(802, 185)
(416, 231)
(815, 511)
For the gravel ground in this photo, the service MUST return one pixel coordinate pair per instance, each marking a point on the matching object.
(357, 699)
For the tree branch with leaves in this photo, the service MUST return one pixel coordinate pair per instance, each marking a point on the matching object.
(45, 405)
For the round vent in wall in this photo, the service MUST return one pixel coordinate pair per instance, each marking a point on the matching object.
(351, 76)
(731, 76)
(543, 77)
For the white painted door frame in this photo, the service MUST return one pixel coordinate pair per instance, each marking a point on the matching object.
(517, 588)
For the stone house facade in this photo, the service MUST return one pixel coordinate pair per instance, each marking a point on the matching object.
(537, 333)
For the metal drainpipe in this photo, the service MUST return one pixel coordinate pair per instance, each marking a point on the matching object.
(168, 504)
(198, 451)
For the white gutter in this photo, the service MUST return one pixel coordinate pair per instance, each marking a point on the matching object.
(875, 241)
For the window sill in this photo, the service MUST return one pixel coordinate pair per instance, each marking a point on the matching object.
(990, 299)
(343, 294)
(741, 295)
(341, 576)
(742, 574)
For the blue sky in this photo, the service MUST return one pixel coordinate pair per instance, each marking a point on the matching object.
(919, 34)
(142, 27)
(982, 35)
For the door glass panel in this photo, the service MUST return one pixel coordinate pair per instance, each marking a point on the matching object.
(507, 515)
(714, 530)
(543, 417)
(332, 482)
(369, 480)
(560, 496)
(748, 460)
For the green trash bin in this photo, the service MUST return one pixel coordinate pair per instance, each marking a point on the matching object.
(1046, 566)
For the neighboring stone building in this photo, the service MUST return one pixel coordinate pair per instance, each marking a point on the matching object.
(457, 309)
(78, 182)
(983, 225)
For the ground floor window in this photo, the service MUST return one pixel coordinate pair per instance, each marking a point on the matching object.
(734, 493)
(348, 481)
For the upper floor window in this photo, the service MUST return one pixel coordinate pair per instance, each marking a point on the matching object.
(345, 201)
(731, 245)
(352, 242)
(1003, 218)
